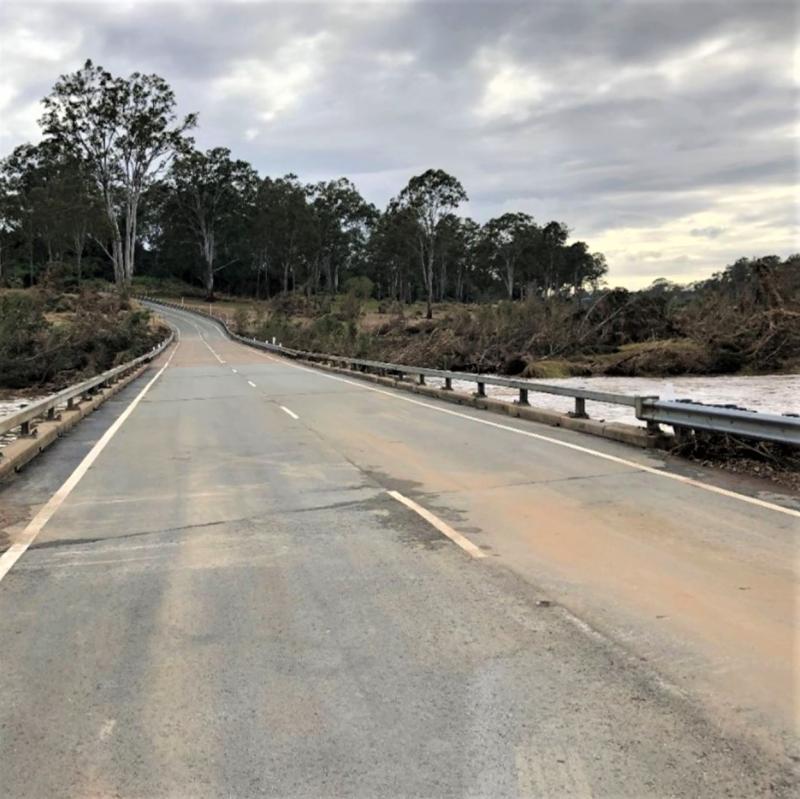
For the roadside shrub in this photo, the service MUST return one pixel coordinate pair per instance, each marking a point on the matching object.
(241, 321)
(361, 286)
(23, 332)
(350, 309)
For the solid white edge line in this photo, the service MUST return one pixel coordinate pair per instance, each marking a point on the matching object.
(250, 382)
(291, 413)
(17, 549)
(761, 503)
(441, 526)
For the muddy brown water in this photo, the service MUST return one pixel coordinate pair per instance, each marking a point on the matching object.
(764, 393)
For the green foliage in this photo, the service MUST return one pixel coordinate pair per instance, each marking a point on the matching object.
(22, 328)
(51, 339)
(350, 308)
(123, 131)
(359, 286)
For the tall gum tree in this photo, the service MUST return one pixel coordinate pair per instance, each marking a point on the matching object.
(126, 131)
(430, 196)
(210, 191)
(341, 217)
(507, 240)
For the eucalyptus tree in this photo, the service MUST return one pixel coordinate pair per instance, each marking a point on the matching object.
(463, 254)
(48, 202)
(508, 242)
(430, 197)
(126, 130)
(341, 219)
(20, 174)
(553, 239)
(281, 229)
(580, 268)
(210, 193)
(391, 253)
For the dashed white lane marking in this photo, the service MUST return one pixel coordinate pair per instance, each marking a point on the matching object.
(761, 503)
(441, 526)
(291, 413)
(17, 549)
(235, 371)
(251, 383)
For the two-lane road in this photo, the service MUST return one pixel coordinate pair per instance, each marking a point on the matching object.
(250, 591)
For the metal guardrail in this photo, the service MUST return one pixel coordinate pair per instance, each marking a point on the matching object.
(681, 415)
(739, 422)
(46, 408)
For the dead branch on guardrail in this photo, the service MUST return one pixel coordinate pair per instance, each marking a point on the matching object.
(777, 462)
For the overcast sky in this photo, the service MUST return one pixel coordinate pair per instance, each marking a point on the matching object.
(663, 133)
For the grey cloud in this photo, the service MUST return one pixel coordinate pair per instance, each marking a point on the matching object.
(707, 232)
(653, 148)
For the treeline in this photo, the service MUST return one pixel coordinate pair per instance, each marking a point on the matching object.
(744, 318)
(116, 188)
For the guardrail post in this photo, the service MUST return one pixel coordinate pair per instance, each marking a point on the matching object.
(421, 379)
(580, 409)
(481, 392)
(26, 431)
(448, 384)
(523, 397)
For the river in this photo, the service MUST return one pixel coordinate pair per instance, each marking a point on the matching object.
(765, 393)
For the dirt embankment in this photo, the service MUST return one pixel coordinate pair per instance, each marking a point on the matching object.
(50, 339)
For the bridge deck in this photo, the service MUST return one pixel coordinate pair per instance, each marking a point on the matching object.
(230, 603)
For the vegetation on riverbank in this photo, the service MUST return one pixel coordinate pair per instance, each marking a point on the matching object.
(744, 319)
(50, 339)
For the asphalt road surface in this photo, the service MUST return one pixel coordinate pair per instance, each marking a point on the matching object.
(274, 581)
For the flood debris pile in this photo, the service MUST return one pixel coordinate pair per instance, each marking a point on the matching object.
(777, 462)
(50, 339)
(745, 319)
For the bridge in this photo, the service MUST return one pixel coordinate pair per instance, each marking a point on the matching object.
(242, 576)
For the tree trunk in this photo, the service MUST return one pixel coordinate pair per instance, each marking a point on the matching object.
(209, 283)
(327, 264)
(429, 286)
(510, 279)
(78, 242)
(208, 256)
(116, 259)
